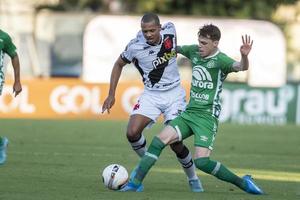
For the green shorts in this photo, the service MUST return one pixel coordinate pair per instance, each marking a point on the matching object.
(203, 126)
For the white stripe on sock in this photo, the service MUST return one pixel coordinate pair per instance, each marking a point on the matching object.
(151, 155)
(216, 169)
(139, 142)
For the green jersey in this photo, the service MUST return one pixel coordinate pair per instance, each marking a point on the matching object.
(6, 46)
(208, 75)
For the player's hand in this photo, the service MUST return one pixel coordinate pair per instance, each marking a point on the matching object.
(17, 88)
(246, 46)
(108, 103)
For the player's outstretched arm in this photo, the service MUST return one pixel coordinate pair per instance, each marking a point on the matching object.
(17, 87)
(114, 79)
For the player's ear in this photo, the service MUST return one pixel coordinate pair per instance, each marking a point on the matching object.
(215, 43)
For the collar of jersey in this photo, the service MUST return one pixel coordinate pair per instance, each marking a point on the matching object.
(218, 51)
(156, 44)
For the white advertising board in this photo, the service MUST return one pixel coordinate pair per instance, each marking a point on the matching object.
(106, 37)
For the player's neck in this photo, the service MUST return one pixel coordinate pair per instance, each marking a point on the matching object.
(215, 52)
(156, 43)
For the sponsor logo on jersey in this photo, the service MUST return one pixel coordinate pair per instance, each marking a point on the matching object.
(199, 96)
(151, 52)
(202, 78)
(165, 58)
(203, 138)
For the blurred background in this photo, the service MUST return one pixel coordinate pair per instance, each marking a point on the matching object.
(45, 30)
(81, 39)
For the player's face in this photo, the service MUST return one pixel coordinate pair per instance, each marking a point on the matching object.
(207, 46)
(151, 32)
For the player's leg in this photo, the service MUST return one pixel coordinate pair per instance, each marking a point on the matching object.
(3, 147)
(144, 113)
(205, 132)
(220, 171)
(184, 156)
(167, 136)
(173, 108)
(135, 137)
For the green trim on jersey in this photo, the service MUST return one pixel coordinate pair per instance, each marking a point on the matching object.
(208, 75)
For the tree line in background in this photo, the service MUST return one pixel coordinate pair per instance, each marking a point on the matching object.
(262, 9)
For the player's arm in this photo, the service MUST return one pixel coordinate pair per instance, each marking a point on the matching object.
(114, 79)
(17, 87)
(10, 49)
(245, 50)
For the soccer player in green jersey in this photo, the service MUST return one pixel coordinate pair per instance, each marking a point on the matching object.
(210, 68)
(6, 46)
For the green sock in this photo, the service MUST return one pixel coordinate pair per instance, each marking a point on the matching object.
(220, 171)
(148, 160)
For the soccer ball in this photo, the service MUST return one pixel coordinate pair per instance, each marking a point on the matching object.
(114, 176)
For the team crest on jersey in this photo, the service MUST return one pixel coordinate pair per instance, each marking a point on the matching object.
(211, 64)
(168, 44)
(136, 106)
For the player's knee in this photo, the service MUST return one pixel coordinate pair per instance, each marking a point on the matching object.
(177, 147)
(202, 163)
(180, 149)
(133, 134)
(168, 135)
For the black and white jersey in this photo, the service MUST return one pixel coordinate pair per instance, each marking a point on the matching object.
(156, 64)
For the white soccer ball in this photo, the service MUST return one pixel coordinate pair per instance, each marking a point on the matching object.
(114, 176)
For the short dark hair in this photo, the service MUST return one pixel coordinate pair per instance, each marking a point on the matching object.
(210, 31)
(149, 17)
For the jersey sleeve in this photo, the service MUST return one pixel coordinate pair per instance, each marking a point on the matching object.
(169, 26)
(9, 47)
(227, 64)
(128, 54)
(186, 50)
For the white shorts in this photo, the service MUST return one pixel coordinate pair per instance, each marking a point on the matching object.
(152, 104)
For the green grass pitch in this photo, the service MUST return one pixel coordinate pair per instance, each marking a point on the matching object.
(63, 159)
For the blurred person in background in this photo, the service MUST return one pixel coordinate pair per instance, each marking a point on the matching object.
(7, 47)
(210, 67)
(154, 55)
